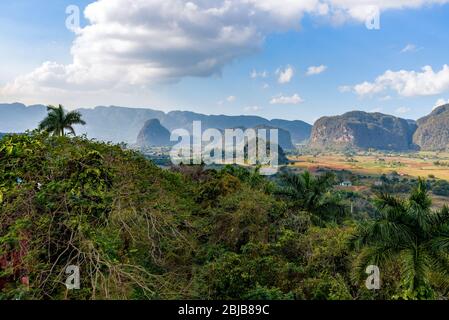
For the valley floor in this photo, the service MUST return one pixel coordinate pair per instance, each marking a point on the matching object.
(421, 164)
(364, 171)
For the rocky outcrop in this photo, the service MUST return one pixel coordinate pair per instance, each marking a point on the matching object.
(153, 134)
(433, 130)
(362, 130)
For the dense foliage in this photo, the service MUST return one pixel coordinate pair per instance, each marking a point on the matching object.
(139, 232)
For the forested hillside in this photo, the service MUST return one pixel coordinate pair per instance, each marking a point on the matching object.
(140, 232)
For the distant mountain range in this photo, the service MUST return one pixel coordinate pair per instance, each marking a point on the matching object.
(119, 124)
(355, 129)
(16, 117)
(383, 132)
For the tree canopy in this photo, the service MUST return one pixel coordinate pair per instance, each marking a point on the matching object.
(140, 232)
(58, 120)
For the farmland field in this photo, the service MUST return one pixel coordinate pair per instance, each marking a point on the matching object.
(414, 164)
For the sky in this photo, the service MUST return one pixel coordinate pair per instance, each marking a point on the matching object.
(291, 59)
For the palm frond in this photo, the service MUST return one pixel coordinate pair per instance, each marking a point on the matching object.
(415, 264)
(419, 196)
(58, 120)
(72, 118)
(378, 255)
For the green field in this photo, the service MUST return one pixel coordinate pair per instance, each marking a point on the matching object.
(422, 164)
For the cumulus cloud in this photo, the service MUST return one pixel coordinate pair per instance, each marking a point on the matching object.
(139, 42)
(440, 102)
(367, 88)
(408, 83)
(285, 75)
(281, 99)
(314, 70)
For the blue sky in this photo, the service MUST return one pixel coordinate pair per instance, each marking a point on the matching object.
(214, 77)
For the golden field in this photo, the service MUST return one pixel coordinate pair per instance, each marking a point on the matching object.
(419, 164)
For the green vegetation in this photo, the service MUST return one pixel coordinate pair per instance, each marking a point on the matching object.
(441, 163)
(413, 237)
(441, 188)
(313, 195)
(139, 232)
(58, 120)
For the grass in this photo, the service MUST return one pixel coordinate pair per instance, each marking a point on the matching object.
(413, 164)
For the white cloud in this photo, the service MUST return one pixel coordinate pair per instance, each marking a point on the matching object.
(281, 99)
(314, 70)
(285, 75)
(167, 40)
(440, 102)
(408, 83)
(231, 99)
(402, 110)
(409, 48)
(255, 74)
(367, 88)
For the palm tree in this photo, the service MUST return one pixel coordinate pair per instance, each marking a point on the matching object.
(312, 194)
(58, 120)
(411, 233)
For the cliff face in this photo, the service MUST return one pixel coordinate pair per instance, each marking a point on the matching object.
(284, 137)
(153, 134)
(433, 130)
(363, 130)
(299, 130)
